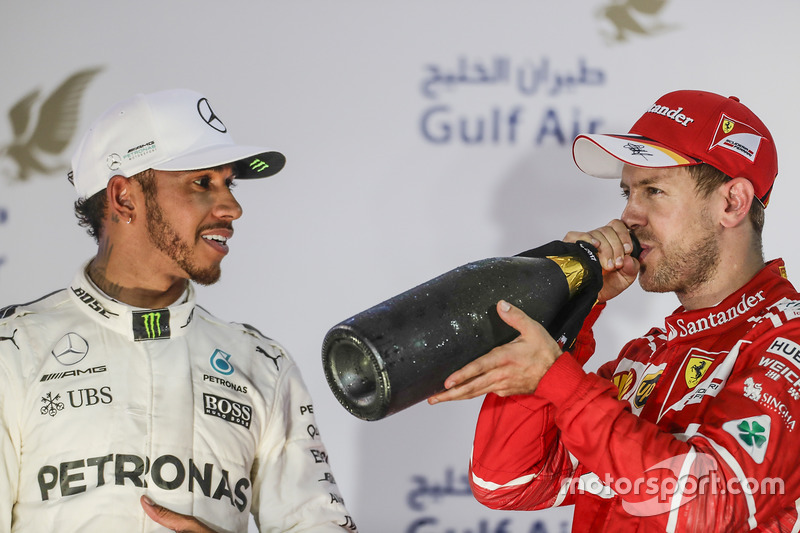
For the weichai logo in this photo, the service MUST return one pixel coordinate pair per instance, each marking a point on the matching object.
(151, 325)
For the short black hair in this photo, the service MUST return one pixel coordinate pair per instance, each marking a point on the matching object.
(91, 211)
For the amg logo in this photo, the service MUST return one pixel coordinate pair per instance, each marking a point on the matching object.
(73, 373)
(228, 410)
(146, 145)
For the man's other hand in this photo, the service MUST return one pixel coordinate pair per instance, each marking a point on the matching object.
(172, 520)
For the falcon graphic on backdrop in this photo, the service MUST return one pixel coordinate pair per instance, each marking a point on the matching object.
(637, 17)
(43, 129)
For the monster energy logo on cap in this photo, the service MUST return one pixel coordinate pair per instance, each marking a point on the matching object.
(151, 325)
(260, 165)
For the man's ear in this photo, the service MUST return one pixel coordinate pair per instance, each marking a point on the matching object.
(121, 199)
(739, 196)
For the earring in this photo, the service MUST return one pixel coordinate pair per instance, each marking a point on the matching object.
(129, 220)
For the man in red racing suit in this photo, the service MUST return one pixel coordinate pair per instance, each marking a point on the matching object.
(711, 397)
(691, 428)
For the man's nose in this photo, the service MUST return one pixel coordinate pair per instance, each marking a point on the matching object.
(227, 206)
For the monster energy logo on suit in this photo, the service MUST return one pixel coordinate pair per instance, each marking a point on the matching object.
(151, 325)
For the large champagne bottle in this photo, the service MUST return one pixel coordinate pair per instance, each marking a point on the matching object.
(400, 351)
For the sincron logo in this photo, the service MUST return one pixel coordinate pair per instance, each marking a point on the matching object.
(209, 117)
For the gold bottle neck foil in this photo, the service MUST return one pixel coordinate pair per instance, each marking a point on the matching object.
(573, 270)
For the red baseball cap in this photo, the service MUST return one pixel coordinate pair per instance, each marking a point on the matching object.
(687, 128)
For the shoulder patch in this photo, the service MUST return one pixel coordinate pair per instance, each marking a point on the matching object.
(273, 352)
(250, 329)
(752, 434)
(10, 338)
(10, 310)
(786, 349)
(790, 308)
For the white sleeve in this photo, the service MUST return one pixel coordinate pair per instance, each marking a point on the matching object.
(294, 489)
(10, 391)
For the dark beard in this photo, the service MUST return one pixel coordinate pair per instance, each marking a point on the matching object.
(166, 239)
(682, 270)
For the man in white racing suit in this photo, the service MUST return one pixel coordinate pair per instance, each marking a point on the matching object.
(124, 405)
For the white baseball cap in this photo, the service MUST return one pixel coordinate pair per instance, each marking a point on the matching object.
(167, 130)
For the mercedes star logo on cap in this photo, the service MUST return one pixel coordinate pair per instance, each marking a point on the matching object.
(208, 115)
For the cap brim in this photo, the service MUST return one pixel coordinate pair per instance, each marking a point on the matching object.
(250, 161)
(604, 156)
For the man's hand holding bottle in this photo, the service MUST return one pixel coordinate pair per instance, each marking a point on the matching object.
(518, 366)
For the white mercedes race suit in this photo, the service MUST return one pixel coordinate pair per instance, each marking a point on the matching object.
(101, 403)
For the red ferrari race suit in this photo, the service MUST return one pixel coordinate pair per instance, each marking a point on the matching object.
(691, 428)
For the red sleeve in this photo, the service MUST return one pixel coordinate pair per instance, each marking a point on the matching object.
(517, 460)
(584, 342)
(734, 459)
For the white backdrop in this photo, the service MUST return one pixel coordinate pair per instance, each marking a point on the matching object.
(390, 180)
